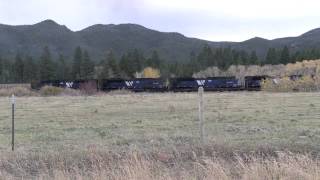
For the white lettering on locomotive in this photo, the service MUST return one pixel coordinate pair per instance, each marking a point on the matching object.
(129, 83)
(69, 84)
(201, 82)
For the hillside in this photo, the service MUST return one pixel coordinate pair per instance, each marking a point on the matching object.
(97, 39)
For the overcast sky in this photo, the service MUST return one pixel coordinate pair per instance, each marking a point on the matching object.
(216, 20)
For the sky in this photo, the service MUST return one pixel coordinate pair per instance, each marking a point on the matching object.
(215, 20)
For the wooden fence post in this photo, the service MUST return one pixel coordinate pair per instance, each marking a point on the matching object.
(200, 92)
(13, 108)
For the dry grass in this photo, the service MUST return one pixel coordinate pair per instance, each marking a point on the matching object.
(159, 120)
(17, 91)
(134, 165)
(156, 136)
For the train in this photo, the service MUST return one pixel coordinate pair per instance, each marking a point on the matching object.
(182, 84)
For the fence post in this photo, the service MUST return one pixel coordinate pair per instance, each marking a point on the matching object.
(200, 92)
(13, 108)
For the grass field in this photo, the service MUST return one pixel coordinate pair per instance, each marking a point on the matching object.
(234, 122)
(245, 118)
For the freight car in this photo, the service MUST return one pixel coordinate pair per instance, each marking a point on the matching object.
(254, 83)
(114, 84)
(222, 84)
(147, 84)
(185, 84)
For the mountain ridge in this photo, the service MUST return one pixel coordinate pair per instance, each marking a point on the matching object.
(100, 38)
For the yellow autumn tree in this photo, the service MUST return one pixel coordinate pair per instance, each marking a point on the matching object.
(150, 72)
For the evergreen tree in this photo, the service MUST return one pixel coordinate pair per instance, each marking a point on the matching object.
(272, 57)
(8, 74)
(124, 66)
(30, 72)
(110, 67)
(63, 70)
(1, 71)
(285, 56)
(76, 65)
(244, 58)
(136, 58)
(154, 61)
(194, 66)
(254, 58)
(86, 67)
(206, 57)
(46, 66)
(226, 59)
(18, 69)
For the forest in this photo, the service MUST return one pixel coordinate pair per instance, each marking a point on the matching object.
(26, 69)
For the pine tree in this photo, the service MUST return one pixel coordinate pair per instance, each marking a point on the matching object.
(77, 61)
(285, 56)
(244, 58)
(86, 67)
(8, 74)
(154, 61)
(226, 59)
(108, 68)
(30, 72)
(254, 58)
(63, 70)
(1, 71)
(124, 66)
(272, 57)
(135, 58)
(206, 57)
(46, 66)
(18, 69)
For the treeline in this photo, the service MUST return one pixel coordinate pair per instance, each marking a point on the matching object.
(25, 69)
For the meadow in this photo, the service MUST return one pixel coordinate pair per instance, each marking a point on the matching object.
(61, 136)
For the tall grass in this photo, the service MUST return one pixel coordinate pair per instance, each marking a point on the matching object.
(18, 91)
(93, 164)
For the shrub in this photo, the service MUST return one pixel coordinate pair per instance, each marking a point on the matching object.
(51, 91)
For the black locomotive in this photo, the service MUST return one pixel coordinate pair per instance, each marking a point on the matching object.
(161, 85)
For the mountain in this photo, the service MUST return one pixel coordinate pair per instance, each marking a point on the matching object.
(98, 39)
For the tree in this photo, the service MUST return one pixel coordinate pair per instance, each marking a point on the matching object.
(206, 57)
(46, 66)
(124, 66)
(87, 66)
(154, 61)
(254, 58)
(285, 55)
(110, 67)
(18, 69)
(30, 72)
(136, 58)
(244, 58)
(76, 65)
(63, 70)
(1, 71)
(150, 72)
(272, 57)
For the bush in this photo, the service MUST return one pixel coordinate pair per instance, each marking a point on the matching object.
(51, 91)
(285, 84)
